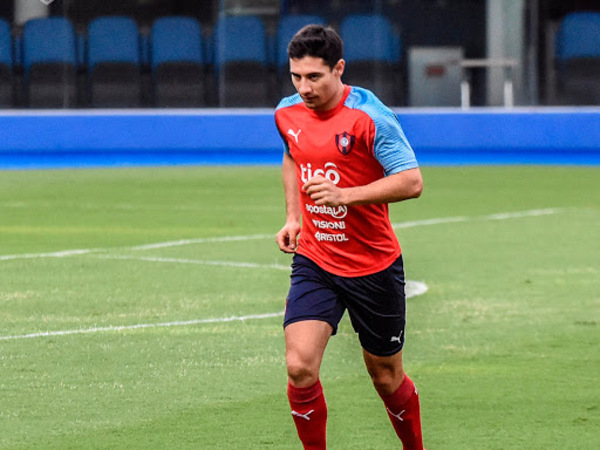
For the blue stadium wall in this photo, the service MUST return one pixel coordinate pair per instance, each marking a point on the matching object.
(162, 137)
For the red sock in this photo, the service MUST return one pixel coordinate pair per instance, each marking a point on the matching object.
(309, 411)
(405, 413)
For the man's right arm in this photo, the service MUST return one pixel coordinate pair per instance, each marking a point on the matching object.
(287, 238)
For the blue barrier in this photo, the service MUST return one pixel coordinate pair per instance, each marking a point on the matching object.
(517, 136)
(157, 137)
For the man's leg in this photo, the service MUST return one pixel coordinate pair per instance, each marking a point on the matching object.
(305, 343)
(399, 395)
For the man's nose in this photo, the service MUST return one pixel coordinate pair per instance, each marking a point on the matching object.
(304, 87)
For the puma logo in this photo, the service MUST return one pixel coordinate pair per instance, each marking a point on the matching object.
(397, 416)
(295, 135)
(397, 338)
(304, 416)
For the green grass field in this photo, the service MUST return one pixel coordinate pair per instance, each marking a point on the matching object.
(126, 345)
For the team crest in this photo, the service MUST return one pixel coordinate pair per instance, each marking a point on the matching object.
(344, 142)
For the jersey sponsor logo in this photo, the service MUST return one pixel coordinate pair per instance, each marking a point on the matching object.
(326, 225)
(326, 237)
(337, 212)
(344, 142)
(329, 172)
(295, 135)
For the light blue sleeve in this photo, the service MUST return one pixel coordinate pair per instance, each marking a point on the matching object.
(391, 148)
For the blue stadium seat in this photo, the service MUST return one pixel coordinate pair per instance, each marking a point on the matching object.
(578, 36)
(286, 28)
(114, 62)
(241, 63)
(577, 52)
(6, 66)
(290, 7)
(49, 63)
(374, 62)
(177, 62)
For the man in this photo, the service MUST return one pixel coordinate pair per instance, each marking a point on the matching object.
(345, 159)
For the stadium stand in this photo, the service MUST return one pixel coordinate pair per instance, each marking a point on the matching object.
(177, 62)
(241, 62)
(49, 63)
(114, 63)
(373, 63)
(6, 66)
(286, 28)
(577, 51)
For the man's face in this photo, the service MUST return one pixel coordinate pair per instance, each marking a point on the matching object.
(319, 86)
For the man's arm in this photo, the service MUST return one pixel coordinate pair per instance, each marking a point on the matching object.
(287, 238)
(393, 188)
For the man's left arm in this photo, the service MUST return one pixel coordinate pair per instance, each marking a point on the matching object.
(393, 188)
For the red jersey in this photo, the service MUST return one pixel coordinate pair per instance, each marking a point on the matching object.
(355, 143)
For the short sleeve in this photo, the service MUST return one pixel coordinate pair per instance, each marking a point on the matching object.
(390, 146)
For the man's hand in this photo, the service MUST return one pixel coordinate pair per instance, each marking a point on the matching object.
(393, 188)
(287, 238)
(323, 192)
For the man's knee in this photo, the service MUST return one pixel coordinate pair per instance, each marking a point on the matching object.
(386, 373)
(305, 343)
(386, 382)
(301, 373)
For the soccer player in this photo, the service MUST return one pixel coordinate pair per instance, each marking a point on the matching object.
(345, 158)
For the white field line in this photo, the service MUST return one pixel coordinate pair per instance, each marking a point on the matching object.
(499, 216)
(517, 215)
(413, 289)
(59, 254)
(140, 326)
(426, 222)
(201, 241)
(204, 262)
(168, 244)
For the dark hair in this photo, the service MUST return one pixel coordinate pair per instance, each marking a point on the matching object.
(317, 41)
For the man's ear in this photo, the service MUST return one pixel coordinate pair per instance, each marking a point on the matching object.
(339, 67)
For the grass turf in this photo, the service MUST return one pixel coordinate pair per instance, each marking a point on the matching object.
(503, 346)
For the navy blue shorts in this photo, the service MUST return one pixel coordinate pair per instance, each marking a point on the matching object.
(376, 303)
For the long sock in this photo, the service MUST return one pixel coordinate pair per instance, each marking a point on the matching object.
(405, 413)
(309, 411)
